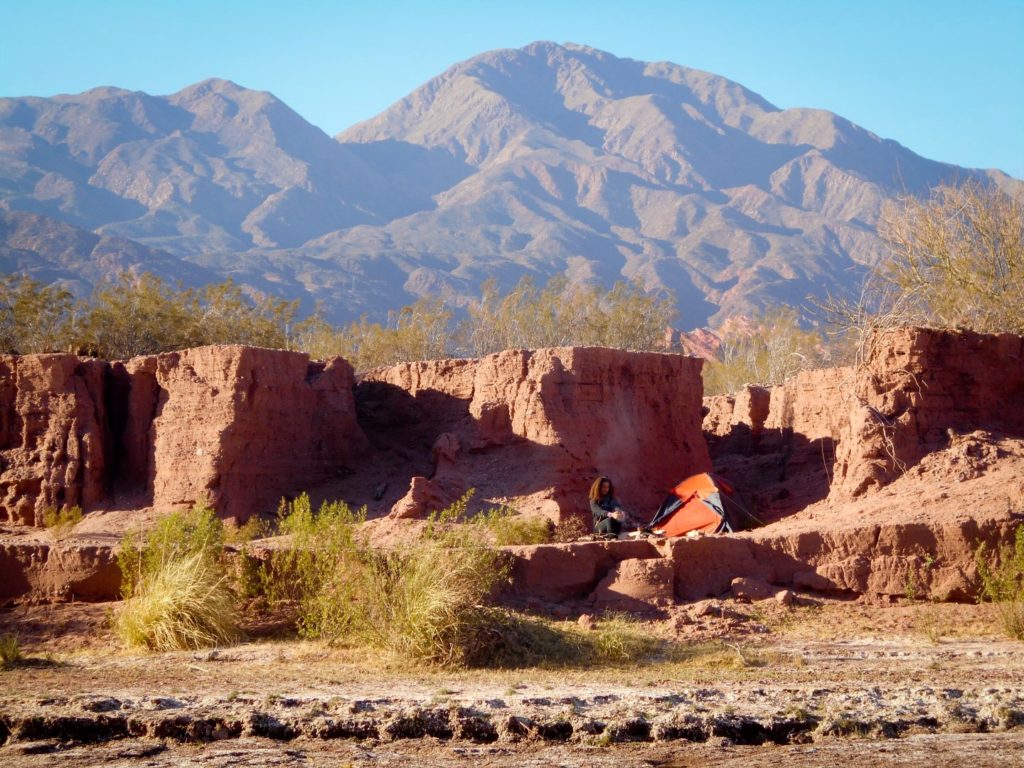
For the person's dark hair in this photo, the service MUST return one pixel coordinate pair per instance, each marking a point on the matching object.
(595, 489)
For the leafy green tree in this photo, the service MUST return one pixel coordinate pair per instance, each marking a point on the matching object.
(144, 315)
(420, 331)
(34, 317)
(138, 316)
(561, 314)
(227, 316)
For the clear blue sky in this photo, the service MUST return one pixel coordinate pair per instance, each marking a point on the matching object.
(943, 78)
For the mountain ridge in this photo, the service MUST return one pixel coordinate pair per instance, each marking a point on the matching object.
(542, 160)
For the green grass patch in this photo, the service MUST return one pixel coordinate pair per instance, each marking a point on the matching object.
(61, 521)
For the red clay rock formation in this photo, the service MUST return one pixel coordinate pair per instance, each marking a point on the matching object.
(53, 446)
(424, 496)
(556, 572)
(542, 424)
(636, 586)
(236, 426)
(241, 426)
(845, 432)
(910, 537)
(65, 570)
(920, 387)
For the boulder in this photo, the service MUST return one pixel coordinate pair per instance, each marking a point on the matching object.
(636, 586)
(423, 497)
(753, 589)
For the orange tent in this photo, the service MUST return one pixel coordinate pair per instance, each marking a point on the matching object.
(704, 503)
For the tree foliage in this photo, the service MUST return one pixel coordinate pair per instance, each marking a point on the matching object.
(33, 317)
(527, 317)
(766, 352)
(144, 315)
(561, 314)
(957, 258)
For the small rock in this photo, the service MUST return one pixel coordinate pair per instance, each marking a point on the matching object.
(746, 588)
(706, 608)
(784, 597)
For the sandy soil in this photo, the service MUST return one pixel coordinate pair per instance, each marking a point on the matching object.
(822, 684)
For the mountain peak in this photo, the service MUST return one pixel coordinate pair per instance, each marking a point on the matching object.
(553, 158)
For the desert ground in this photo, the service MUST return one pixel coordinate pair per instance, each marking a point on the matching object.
(816, 683)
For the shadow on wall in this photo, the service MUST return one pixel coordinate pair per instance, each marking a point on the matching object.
(433, 435)
(779, 470)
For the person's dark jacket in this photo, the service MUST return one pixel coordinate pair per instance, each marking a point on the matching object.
(602, 506)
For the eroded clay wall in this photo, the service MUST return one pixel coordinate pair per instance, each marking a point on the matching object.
(53, 447)
(562, 415)
(235, 426)
(916, 390)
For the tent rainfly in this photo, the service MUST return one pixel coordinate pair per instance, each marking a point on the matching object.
(705, 503)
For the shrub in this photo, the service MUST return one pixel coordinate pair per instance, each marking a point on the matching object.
(506, 527)
(33, 317)
(625, 317)
(766, 351)
(177, 592)
(61, 521)
(425, 602)
(141, 315)
(321, 569)
(10, 651)
(1002, 583)
(958, 257)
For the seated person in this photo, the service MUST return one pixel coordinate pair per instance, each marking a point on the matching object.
(606, 509)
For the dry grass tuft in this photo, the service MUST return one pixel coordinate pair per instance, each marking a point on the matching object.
(186, 602)
(177, 591)
(10, 651)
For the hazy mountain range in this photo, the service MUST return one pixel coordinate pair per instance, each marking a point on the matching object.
(541, 160)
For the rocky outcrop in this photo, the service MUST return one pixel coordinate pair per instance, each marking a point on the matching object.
(58, 570)
(543, 423)
(850, 431)
(54, 447)
(233, 426)
(241, 426)
(871, 550)
(917, 391)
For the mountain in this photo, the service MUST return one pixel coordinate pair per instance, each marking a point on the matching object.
(540, 160)
(54, 251)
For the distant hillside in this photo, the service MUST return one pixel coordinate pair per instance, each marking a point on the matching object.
(56, 252)
(541, 160)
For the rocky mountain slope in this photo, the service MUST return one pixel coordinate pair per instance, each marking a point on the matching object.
(540, 160)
